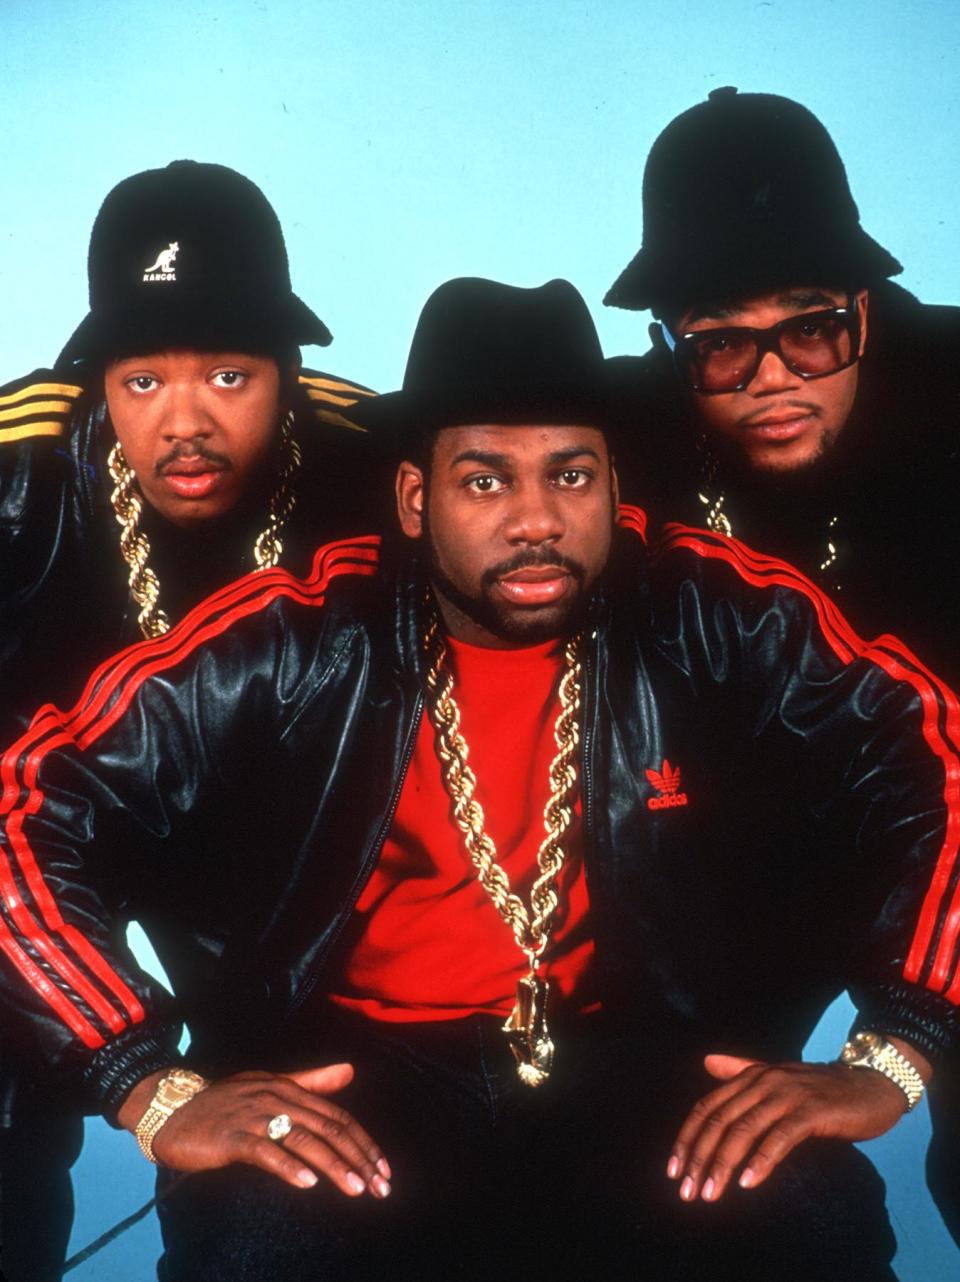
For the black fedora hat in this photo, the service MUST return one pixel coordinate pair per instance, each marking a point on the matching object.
(746, 193)
(485, 352)
(191, 255)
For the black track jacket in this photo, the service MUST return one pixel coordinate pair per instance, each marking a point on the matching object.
(771, 813)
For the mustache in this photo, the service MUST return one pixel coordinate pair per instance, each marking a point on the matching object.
(810, 407)
(528, 558)
(183, 450)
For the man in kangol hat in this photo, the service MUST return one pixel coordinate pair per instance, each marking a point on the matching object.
(176, 445)
(570, 845)
(795, 397)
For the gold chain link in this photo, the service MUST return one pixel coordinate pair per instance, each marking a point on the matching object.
(283, 500)
(135, 546)
(531, 929)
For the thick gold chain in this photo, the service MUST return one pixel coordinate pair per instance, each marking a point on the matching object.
(531, 928)
(267, 548)
(135, 546)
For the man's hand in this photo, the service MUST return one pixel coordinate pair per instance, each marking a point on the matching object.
(763, 1111)
(227, 1123)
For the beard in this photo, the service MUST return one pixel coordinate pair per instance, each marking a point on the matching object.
(512, 625)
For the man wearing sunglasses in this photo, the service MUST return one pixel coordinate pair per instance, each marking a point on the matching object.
(794, 397)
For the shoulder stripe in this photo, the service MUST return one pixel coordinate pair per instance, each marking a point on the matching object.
(25, 431)
(36, 409)
(105, 699)
(633, 518)
(341, 386)
(328, 396)
(936, 967)
(40, 391)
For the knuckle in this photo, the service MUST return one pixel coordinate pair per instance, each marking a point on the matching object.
(244, 1144)
(339, 1115)
(742, 1129)
(330, 1128)
(297, 1138)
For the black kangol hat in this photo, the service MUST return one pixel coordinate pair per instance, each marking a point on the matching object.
(743, 194)
(189, 256)
(484, 352)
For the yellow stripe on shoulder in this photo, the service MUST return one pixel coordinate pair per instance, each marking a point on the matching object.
(339, 386)
(38, 405)
(27, 430)
(330, 398)
(40, 391)
(17, 413)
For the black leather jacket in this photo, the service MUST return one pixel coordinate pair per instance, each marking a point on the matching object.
(230, 786)
(64, 602)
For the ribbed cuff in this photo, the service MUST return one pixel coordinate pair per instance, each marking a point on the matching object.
(117, 1067)
(916, 1015)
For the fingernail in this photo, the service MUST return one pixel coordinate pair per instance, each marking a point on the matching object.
(747, 1179)
(306, 1178)
(687, 1189)
(673, 1168)
(355, 1183)
(380, 1186)
(709, 1189)
(383, 1166)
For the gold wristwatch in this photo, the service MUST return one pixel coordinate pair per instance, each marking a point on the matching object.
(870, 1050)
(174, 1090)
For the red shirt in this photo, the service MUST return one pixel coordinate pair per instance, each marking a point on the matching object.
(428, 943)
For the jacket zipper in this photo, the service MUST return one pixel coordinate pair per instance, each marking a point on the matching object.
(373, 854)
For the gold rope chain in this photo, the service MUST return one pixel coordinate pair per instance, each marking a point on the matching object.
(526, 1027)
(135, 546)
(720, 523)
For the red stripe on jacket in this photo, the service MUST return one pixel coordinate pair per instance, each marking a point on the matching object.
(894, 658)
(633, 518)
(118, 680)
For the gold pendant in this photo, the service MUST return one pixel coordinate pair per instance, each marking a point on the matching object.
(527, 1031)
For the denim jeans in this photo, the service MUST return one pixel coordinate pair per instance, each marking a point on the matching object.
(495, 1180)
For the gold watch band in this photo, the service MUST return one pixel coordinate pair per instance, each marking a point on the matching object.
(870, 1050)
(174, 1090)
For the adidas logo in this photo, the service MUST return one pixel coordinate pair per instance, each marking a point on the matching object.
(666, 780)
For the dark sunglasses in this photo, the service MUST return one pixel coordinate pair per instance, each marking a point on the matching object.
(811, 345)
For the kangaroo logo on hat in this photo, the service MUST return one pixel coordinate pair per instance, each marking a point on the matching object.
(163, 268)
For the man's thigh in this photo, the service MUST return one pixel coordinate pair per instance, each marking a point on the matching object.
(425, 1101)
(491, 1178)
(603, 1143)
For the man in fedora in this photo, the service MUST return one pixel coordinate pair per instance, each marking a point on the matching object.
(796, 398)
(175, 445)
(569, 846)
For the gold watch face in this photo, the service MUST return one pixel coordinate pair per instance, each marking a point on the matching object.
(860, 1048)
(179, 1085)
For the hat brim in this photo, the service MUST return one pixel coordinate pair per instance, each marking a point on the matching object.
(400, 415)
(754, 264)
(194, 321)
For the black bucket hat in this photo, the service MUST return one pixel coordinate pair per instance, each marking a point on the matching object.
(484, 352)
(190, 256)
(745, 193)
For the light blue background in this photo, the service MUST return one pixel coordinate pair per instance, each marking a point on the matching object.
(405, 143)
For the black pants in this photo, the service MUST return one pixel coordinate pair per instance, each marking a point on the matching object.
(494, 1180)
(40, 1141)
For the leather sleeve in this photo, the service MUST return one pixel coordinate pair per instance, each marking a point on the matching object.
(873, 737)
(119, 809)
